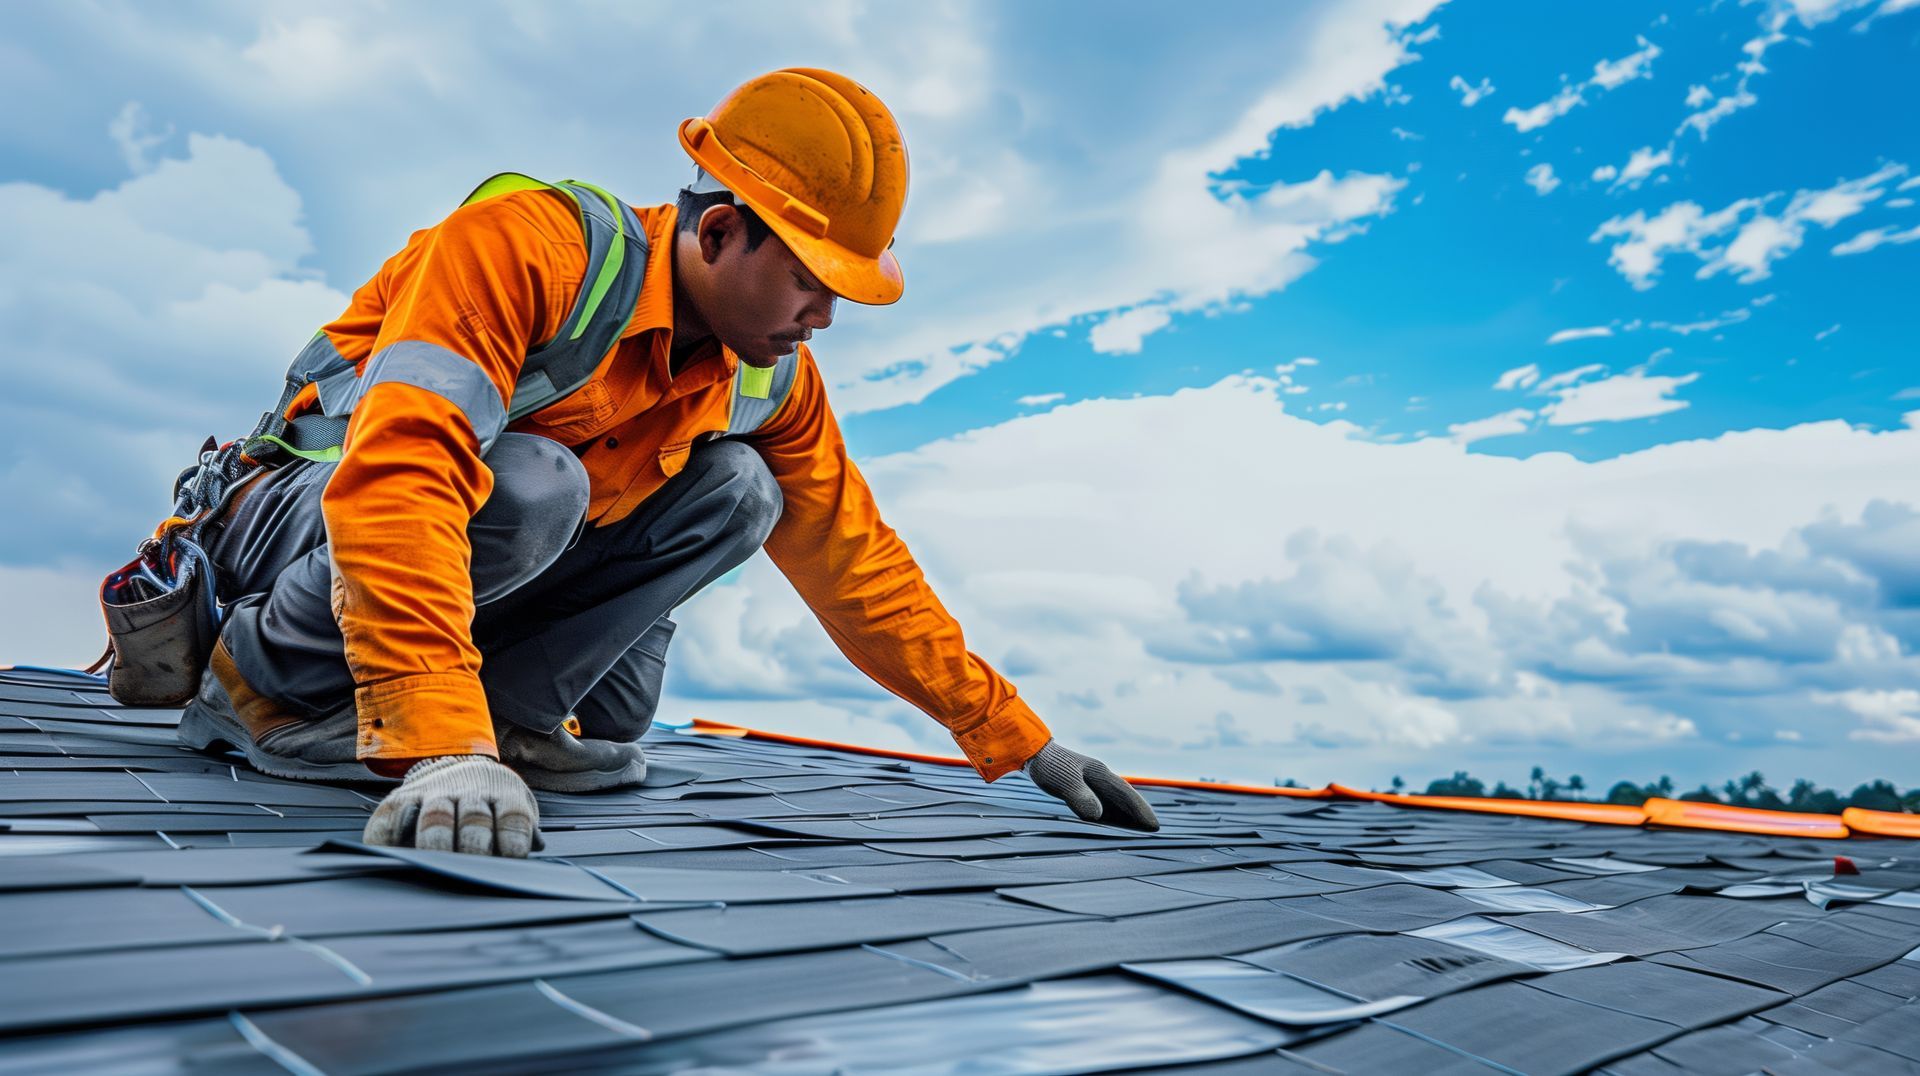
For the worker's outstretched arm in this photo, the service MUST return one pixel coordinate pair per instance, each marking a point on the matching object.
(859, 579)
(462, 304)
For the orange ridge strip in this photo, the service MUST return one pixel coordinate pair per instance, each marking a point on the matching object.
(1743, 819)
(1606, 814)
(1661, 812)
(1881, 823)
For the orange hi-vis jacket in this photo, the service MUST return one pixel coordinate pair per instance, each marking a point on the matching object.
(458, 309)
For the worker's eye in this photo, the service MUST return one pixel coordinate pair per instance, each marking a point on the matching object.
(801, 282)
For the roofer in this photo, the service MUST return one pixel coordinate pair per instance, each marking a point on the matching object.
(553, 418)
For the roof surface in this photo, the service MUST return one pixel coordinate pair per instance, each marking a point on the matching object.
(774, 907)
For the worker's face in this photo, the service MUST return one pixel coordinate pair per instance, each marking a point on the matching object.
(762, 302)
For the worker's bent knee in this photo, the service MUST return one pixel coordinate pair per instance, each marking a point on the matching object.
(534, 512)
(740, 471)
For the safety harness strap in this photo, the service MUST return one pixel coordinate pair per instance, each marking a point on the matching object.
(617, 253)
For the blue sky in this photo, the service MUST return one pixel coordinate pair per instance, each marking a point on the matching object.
(1322, 390)
(1474, 271)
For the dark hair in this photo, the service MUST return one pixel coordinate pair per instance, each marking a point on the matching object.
(692, 205)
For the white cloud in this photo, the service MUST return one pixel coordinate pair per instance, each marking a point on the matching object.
(1607, 75)
(1068, 546)
(1875, 237)
(1589, 332)
(1765, 239)
(1568, 377)
(1755, 49)
(1122, 332)
(1761, 239)
(1041, 399)
(1688, 328)
(1615, 399)
(1824, 333)
(1528, 119)
(1604, 173)
(1470, 95)
(1641, 163)
(1646, 241)
(1812, 13)
(1503, 424)
(1048, 191)
(130, 131)
(1886, 716)
(1541, 178)
(1519, 377)
(161, 310)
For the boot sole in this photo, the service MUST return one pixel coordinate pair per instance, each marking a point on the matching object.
(201, 728)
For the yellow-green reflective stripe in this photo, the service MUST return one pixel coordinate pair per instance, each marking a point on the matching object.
(325, 455)
(609, 269)
(506, 183)
(755, 381)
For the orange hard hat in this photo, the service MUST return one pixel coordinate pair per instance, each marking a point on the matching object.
(820, 159)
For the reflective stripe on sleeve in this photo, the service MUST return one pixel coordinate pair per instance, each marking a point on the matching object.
(447, 374)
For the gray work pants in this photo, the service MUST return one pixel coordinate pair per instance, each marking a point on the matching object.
(569, 618)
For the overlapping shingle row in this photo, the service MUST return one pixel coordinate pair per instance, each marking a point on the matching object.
(761, 906)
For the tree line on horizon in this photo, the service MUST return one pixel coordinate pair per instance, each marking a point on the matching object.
(1751, 790)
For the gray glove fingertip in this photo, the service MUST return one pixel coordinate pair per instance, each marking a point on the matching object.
(514, 835)
(1129, 807)
(1083, 800)
(475, 837)
(436, 826)
(382, 828)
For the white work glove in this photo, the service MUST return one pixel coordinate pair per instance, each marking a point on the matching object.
(1094, 792)
(459, 803)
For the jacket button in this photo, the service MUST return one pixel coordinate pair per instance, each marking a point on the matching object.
(379, 723)
(613, 442)
(989, 759)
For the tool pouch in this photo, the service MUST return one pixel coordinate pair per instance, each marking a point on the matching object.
(162, 621)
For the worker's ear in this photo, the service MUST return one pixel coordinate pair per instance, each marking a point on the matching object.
(721, 226)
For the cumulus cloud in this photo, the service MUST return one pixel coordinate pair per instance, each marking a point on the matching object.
(1607, 75)
(1504, 424)
(1641, 164)
(1122, 332)
(192, 267)
(1519, 377)
(1095, 181)
(1891, 717)
(1760, 238)
(1371, 580)
(1741, 96)
(1541, 178)
(1614, 399)
(1470, 95)
(1041, 399)
(1877, 237)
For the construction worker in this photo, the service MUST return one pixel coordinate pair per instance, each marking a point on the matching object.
(444, 594)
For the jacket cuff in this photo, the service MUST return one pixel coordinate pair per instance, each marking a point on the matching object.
(1005, 741)
(424, 716)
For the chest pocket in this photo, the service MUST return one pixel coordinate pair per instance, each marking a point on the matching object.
(580, 416)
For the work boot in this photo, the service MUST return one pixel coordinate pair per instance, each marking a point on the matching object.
(559, 761)
(274, 741)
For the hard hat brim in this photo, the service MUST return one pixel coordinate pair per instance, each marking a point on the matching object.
(856, 277)
(852, 276)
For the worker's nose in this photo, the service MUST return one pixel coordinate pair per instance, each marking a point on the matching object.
(819, 315)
